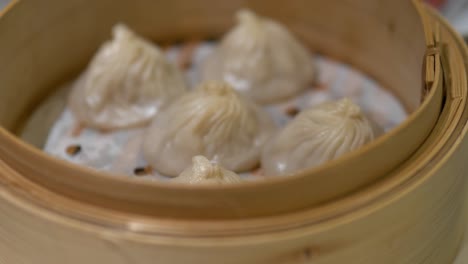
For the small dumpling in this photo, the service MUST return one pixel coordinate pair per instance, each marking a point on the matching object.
(127, 82)
(317, 135)
(203, 171)
(214, 121)
(261, 59)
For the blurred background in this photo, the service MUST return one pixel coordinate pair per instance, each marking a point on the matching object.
(456, 11)
(3, 3)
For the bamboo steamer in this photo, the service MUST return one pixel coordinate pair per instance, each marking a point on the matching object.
(401, 200)
(392, 46)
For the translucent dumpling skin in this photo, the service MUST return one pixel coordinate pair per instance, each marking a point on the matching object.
(261, 59)
(317, 135)
(214, 121)
(126, 83)
(203, 171)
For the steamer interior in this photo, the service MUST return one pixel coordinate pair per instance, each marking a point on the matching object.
(381, 38)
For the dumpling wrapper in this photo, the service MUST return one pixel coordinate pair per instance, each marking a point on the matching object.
(214, 121)
(317, 135)
(127, 82)
(204, 171)
(261, 59)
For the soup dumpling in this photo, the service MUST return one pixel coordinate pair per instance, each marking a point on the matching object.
(214, 121)
(261, 59)
(204, 171)
(317, 135)
(127, 82)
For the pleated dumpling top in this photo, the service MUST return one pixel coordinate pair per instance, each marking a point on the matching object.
(317, 135)
(261, 59)
(214, 121)
(127, 82)
(203, 171)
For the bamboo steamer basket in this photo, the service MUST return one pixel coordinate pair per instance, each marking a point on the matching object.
(401, 199)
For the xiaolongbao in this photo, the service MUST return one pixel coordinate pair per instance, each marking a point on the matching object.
(262, 59)
(203, 171)
(317, 135)
(214, 121)
(126, 83)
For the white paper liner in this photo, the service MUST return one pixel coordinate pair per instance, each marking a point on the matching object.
(120, 152)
